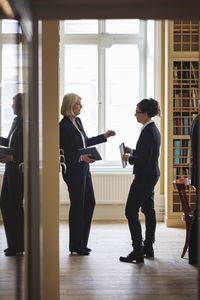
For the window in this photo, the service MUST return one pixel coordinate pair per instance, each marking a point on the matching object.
(104, 62)
(9, 71)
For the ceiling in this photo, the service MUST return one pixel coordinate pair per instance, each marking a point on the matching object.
(103, 9)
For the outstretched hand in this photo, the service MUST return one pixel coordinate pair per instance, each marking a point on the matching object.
(109, 133)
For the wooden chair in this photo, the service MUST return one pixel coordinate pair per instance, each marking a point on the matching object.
(180, 185)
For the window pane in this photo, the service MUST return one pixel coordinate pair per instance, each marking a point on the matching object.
(84, 26)
(11, 64)
(81, 63)
(10, 26)
(123, 26)
(122, 95)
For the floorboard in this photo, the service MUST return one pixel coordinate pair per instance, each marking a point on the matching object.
(101, 276)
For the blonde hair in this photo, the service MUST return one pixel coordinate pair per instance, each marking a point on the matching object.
(69, 100)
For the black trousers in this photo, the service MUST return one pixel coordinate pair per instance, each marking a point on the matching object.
(11, 203)
(141, 194)
(82, 203)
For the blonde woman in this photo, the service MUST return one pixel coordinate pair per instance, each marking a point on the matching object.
(78, 176)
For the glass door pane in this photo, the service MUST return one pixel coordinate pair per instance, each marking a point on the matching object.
(11, 66)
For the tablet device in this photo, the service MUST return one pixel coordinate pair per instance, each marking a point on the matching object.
(91, 150)
(122, 152)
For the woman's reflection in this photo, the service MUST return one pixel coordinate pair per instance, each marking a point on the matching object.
(12, 192)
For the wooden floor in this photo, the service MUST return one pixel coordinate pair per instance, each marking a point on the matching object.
(101, 276)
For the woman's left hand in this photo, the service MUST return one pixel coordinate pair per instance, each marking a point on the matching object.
(6, 158)
(125, 157)
(109, 133)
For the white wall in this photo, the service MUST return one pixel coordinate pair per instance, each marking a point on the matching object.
(111, 191)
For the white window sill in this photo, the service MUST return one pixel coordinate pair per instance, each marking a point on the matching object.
(111, 170)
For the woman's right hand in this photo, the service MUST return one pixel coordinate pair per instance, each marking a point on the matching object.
(86, 158)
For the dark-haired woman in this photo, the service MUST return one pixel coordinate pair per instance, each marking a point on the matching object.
(146, 170)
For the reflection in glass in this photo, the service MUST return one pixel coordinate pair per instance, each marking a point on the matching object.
(10, 26)
(11, 64)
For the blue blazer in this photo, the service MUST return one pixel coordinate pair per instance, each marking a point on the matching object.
(194, 144)
(71, 141)
(145, 156)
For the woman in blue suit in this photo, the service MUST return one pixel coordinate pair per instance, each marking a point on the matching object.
(146, 170)
(78, 176)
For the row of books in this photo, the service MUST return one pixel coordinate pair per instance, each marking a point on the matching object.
(180, 172)
(186, 70)
(181, 129)
(182, 123)
(186, 99)
(181, 151)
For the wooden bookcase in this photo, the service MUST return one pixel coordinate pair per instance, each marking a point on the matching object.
(183, 95)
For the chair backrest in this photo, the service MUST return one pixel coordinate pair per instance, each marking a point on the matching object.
(181, 187)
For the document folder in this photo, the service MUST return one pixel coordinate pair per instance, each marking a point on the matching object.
(91, 150)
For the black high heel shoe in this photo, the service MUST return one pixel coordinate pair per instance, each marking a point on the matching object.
(88, 249)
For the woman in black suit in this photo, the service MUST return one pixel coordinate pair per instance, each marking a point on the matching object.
(12, 192)
(78, 176)
(146, 170)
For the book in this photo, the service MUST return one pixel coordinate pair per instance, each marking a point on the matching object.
(194, 72)
(177, 151)
(91, 150)
(122, 152)
(186, 127)
(6, 150)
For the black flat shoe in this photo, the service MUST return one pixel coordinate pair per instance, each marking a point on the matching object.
(6, 250)
(10, 253)
(148, 251)
(133, 256)
(80, 252)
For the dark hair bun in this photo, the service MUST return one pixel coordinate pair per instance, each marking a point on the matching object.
(150, 106)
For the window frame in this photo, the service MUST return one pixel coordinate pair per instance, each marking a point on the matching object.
(119, 39)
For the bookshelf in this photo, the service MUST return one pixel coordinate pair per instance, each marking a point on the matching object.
(183, 95)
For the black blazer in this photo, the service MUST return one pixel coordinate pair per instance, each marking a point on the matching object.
(194, 144)
(71, 141)
(145, 156)
(16, 141)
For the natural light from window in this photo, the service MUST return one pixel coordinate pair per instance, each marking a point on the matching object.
(104, 63)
